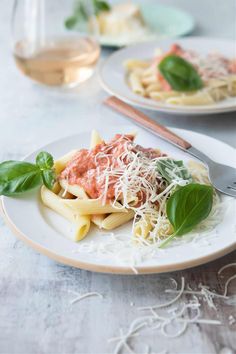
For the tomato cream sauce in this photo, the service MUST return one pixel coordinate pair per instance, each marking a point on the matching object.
(86, 167)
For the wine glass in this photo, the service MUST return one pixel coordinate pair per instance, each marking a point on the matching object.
(55, 41)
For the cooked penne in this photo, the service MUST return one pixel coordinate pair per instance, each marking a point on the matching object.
(61, 163)
(54, 202)
(142, 228)
(193, 100)
(93, 206)
(73, 189)
(136, 84)
(56, 188)
(149, 71)
(148, 80)
(64, 194)
(131, 200)
(153, 88)
(116, 219)
(160, 95)
(132, 64)
(95, 139)
(80, 193)
(97, 219)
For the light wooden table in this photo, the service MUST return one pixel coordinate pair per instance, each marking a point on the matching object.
(35, 312)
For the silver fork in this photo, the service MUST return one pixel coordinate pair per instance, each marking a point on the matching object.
(222, 177)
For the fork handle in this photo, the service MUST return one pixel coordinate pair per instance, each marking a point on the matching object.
(141, 119)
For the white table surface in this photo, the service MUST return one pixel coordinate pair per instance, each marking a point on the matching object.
(35, 315)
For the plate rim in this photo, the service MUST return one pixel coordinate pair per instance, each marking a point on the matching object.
(119, 270)
(178, 110)
(114, 269)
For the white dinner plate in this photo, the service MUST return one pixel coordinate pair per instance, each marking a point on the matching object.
(113, 80)
(48, 232)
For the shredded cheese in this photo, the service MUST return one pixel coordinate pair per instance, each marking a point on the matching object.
(84, 296)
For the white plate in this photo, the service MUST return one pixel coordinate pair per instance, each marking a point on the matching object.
(112, 74)
(45, 231)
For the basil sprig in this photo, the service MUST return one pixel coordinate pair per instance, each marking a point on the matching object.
(17, 177)
(187, 207)
(81, 14)
(180, 74)
(171, 169)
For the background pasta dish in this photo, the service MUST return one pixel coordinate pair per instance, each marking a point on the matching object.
(183, 77)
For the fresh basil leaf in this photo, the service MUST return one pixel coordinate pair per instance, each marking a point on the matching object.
(49, 178)
(17, 177)
(180, 74)
(100, 6)
(71, 22)
(44, 160)
(171, 169)
(187, 207)
(81, 14)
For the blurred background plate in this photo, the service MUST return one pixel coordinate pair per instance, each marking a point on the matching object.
(164, 22)
(113, 78)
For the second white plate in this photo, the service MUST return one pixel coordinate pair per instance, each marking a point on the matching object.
(112, 74)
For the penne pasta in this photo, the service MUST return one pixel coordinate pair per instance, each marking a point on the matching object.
(193, 100)
(148, 80)
(56, 188)
(142, 228)
(136, 84)
(54, 202)
(161, 95)
(117, 219)
(61, 163)
(80, 193)
(153, 88)
(97, 219)
(73, 189)
(93, 206)
(132, 64)
(65, 194)
(95, 139)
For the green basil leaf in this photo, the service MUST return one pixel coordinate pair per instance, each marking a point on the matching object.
(187, 207)
(17, 177)
(100, 6)
(171, 169)
(81, 15)
(44, 160)
(180, 74)
(49, 178)
(71, 22)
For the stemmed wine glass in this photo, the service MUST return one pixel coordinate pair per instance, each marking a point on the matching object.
(44, 46)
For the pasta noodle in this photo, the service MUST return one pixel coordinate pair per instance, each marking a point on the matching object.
(97, 219)
(95, 139)
(60, 164)
(142, 228)
(132, 64)
(93, 206)
(74, 189)
(136, 84)
(114, 220)
(54, 202)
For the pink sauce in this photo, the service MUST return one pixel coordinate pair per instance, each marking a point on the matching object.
(86, 166)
